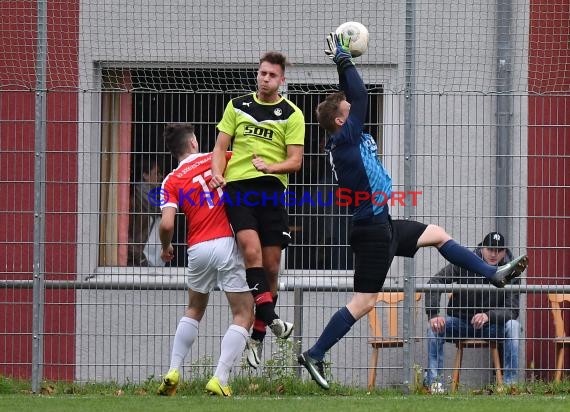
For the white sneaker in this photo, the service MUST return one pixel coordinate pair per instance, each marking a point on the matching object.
(281, 329)
(436, 388)
(253, 350)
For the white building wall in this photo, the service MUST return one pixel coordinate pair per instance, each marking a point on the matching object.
(455, 72)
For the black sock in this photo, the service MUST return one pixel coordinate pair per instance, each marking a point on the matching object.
(257, 282)
(259, 327)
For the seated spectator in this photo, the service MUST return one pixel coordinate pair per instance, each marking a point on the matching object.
(489, 313)
(144, 215)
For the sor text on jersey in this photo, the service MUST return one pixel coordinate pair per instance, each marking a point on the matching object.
(258, 131)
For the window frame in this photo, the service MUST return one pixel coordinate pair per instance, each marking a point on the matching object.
(91, 266)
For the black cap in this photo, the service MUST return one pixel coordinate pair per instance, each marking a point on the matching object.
(493, 240)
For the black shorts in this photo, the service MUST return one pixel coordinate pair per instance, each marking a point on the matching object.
(375, 246)
(258, 204)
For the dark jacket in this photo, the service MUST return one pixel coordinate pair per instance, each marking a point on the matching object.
(499, 304)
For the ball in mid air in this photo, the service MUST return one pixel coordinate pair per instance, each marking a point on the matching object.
(358, 34)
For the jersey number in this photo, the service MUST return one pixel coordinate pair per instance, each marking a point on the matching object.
(206, 192)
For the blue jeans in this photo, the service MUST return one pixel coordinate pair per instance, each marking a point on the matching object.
(460, 328)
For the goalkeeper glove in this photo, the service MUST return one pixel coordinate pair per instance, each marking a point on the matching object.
(339, 50)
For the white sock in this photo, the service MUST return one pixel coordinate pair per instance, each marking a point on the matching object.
(233, 344)
(186, 333)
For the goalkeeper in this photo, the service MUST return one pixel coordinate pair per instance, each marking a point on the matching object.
(375, 238)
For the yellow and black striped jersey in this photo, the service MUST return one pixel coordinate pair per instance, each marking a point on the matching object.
(264, 129)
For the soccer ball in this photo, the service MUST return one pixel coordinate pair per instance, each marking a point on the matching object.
(358, 34)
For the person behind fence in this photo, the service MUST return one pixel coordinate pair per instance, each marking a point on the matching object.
(267, 135)
(144, 217)
(375, 238)
(483, 313)
(213, 259)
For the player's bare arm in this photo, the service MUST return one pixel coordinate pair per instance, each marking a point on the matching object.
(290, 165)
(219, 160)
(166, 231)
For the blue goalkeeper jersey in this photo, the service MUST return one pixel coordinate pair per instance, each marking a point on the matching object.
(354, 158)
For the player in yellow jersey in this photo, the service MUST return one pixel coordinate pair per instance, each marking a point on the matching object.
(266, 132)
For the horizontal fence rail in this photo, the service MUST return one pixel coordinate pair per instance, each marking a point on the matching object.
(124, 282)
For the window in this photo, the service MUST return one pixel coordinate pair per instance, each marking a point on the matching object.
(132, 125)
(132, 128)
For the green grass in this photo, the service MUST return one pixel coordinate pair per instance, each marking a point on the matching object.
(281, 394)
(277, 389)
(308, 403)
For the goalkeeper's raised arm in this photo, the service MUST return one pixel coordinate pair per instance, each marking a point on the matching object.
(338, 50)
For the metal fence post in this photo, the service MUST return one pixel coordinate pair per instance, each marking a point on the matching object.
(298, 319)
(39, 198)
(504, 205)
(409, 150)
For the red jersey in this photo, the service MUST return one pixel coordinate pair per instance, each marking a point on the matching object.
(186, 188)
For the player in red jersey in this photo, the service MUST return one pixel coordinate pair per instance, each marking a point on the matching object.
(213, 258)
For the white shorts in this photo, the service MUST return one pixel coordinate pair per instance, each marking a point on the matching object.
(216, 262)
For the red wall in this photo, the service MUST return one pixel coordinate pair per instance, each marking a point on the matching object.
(549, 172)
(18, 33)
